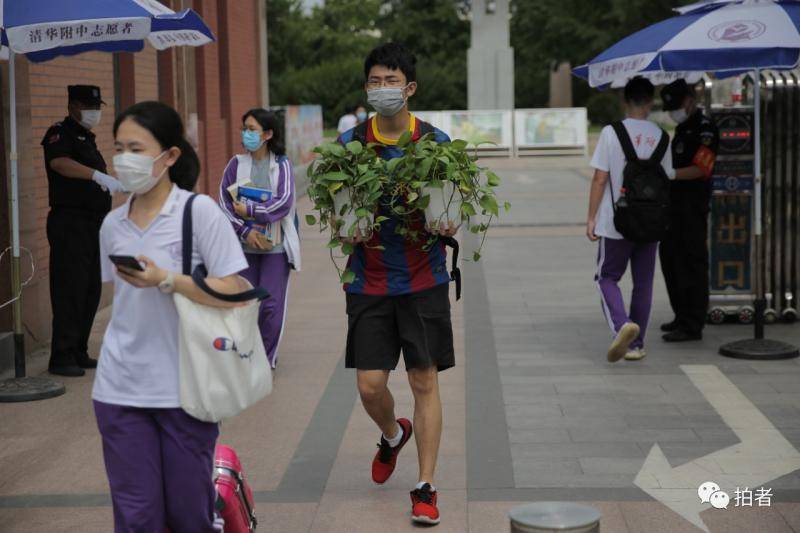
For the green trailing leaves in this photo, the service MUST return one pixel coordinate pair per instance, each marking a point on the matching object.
(404, 139)
(347, 184)
(335, 176)
(489, 204)
(459, 145)
(355, 147)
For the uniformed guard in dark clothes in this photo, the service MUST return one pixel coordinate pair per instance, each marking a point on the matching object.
(684, 253)
(80, 197)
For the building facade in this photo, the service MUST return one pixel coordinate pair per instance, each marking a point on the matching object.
(211, 87)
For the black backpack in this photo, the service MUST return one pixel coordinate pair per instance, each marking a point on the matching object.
(642, 212)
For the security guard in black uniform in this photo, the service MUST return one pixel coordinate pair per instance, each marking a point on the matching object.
(684, 252)
(80, 197)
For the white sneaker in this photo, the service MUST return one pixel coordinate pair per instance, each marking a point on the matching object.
(625, 336)
(637, 354)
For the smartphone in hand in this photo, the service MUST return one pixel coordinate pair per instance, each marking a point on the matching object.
(126, 261)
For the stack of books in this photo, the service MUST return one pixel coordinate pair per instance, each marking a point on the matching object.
(247, 191)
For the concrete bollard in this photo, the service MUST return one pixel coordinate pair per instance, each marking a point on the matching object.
(554, 517)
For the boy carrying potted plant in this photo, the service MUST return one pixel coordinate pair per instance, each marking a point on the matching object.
(397, 281)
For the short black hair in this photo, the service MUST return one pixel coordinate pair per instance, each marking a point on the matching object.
(268, 120)
(393, 56)
(639, 91)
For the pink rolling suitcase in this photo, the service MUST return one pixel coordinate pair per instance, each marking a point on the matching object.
(235, 500)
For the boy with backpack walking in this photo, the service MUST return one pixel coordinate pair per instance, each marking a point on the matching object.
(628, 215)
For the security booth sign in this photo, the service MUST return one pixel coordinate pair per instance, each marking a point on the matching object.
(731, 223)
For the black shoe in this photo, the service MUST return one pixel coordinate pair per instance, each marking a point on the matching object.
(682, 336)
(87, 362)
(72, 371)
(669, 326)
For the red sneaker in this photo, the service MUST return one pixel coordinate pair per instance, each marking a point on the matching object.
(423, 506)
(386, 458)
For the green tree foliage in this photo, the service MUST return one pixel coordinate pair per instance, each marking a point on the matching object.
(439, 37)
(547, 32)
(317, 56)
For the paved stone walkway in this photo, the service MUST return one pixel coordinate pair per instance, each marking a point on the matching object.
(532, 411)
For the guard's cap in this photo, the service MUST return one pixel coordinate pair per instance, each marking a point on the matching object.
(673, 94)
(87, 94)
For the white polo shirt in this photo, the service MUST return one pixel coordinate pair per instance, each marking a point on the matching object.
(138, 363)
(609, 157)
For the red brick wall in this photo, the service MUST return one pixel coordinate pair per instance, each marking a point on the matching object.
(145, 71)
(240, 62)
(47, 98)
(212, 125)
(226, 83)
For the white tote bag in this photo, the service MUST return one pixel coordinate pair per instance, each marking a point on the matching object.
(223, 363)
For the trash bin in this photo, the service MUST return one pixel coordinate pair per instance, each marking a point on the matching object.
(554, 517)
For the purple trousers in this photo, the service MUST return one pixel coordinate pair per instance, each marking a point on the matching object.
(612, 260)
(270, 271)
(159, 464)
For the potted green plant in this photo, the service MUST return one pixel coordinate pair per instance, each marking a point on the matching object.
(345, 185)
(445, 182)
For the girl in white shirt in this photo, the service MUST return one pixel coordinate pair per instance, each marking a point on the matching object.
(158, 458)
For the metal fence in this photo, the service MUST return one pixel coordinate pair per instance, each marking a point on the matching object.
(781, 149)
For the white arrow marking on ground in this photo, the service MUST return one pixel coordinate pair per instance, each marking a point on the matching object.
(762, 455)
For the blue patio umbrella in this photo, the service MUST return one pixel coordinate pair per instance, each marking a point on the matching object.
(724, 37)
(45, 29)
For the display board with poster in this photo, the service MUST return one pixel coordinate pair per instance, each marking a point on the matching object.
(303, 132)
(490, 132)
(557, 131)
(302, 127)
(435, 118)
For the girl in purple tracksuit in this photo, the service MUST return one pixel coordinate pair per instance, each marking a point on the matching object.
(265, 166)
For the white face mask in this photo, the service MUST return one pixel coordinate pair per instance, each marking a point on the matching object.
(90, 118)
(387, 101)
(679, 115)
(135, 171)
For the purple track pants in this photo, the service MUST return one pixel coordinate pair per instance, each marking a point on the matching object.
(612, 260)
(270, 271)
(159, 464)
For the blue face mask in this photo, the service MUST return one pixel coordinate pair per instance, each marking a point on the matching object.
(251, 140)
(362, 115)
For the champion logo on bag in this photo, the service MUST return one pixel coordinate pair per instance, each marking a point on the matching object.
(224, 344)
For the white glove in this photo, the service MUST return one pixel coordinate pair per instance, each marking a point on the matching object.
(107, 183)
